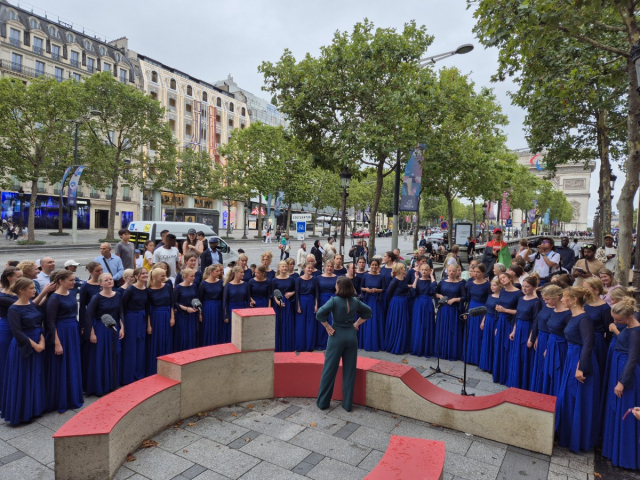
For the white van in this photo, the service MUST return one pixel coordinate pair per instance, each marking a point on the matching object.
(143, 230)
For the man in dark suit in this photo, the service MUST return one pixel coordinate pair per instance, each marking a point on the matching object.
(211, 256)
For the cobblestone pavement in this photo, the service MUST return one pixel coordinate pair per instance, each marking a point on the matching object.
(290, 438)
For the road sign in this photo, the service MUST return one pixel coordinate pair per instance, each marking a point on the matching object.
(444, 225)
(509, 222)
(483, 225)
(301, 228)
(300, 217)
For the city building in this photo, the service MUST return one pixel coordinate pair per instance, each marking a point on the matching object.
(32, 46)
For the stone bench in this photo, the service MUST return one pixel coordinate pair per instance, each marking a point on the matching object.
(413, 458)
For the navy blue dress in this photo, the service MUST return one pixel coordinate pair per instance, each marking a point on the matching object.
(285, 315)
(87, 291)
(488, 336)
(210, 295)
(339, 272)
(540, 332)
(247, 275)
(101, 376)
(520, 355)
(135, 314)
(271, 274)
(160, 342)
(423, 322)
(185, 333)
(371, 332)
(477, 295)
(449, 327)
(578, 404)
(502, 343)
(260, 292)
(23, 393)
(556, 352)
(64, 375)
(234, 297)
(196, 281)
(6, 336)
(620, 438)
(397, 332)
(305, 326)
(601, 317)
(326, 290)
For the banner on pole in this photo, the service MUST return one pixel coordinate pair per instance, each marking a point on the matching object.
(73, 186)
(64, 179)
(410, 195)
(506, 209)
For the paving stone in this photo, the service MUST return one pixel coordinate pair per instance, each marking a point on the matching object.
(303, 468)
(455, 444)
(347, 430)
(26, 468)
(490, 387)
(371, 438)
(193, 472)
(469, 468)
(55, 420)
(242, 441)
(266, 470)
(87, 401)
(174, 439)
(210, 475)
(563, 461)
(517, 465)
(276, 451)
(540, 456)
(310, 403)
(227, 413)
(271, 426)
(217, 430)
(158, 464)
(314, 458)
(580, 466)
(343, 450)
(220, 458)
(137, 476)
(12, 457)
(486, 453)
(268, 407)
(472, 382)
(179, 477)
(325, 423)
(569, 472)
(7, 432)
(369, 419)
(6, 449)
(371, 460)
(330, 469)
(37, 444)
(557, 476)
(123, 473)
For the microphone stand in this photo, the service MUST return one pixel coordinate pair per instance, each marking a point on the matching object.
(464, 358)
(437, 369)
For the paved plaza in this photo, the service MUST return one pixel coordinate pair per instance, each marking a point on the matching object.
(290, 438)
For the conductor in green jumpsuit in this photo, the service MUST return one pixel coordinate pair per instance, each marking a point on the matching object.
(348, 314)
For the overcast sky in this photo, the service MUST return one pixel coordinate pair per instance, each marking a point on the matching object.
(209, 39)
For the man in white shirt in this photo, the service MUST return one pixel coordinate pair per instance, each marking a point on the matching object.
(607, 253)
(545, 260)
(329, 250)
(48, 265)
(169, 254)
(301, 257)
(576, 248)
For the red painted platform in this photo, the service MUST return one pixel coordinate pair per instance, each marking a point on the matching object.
(100, 417)
(254, 312)
(204, 353)
(410, 458)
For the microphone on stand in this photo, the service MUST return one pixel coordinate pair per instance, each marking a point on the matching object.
(474, 312)
(108, 321)
(443, 301)
(195, 303)
(278, 295)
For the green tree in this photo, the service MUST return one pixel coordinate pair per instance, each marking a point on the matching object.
(36, 139)
(131, 123)
(325, 191)
(359, 102)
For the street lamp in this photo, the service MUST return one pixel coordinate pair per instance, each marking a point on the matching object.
(345, 180)
(21, 198)
(150, 207)
(246, 221)
(461, 50)
(635, 56)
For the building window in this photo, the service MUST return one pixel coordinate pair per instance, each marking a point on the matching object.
(123, 75)
(88, 46)
(154, 77)
(172, 84)
(34, 23)
(204, 96)
(231, 123)
(41, 188)
(52, 31)
(188, 106)
(154, 95)
(69, 38)
(231, 107)
(11, 15)
(39, 68)
(126, 193)
(103, 51)
(59, 74)
(243, 112)
(90, 65)
(14, 37)
(189, 90)
(218, 102)
(218, 139)
(117, 55)
(172, 103)
(218, 118)
(242, 125)
(37, 45)
(16, 62)
(106, 67)
(75, 62)
(172, 125)
(55, 52)
(188, 129)
(77, 77)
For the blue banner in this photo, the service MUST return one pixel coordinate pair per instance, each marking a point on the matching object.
(64, 179)
(73, 186)
(410, 195)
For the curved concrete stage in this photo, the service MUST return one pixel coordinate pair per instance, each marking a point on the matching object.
(95, 442)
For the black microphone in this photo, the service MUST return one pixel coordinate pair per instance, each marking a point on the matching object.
(195, 303)
(443, 301)
(474, 312)
(277, 294)
(109, 322)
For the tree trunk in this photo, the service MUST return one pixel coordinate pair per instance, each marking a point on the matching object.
(228, 217)
(60, 211)
(114, 200)
(475, 219)
(315, 220)
(31, 222)
(376, 204)
(286, 228)
(175, 207)
(604, 189)
(449, 199)
(417, 227)
(259, 224)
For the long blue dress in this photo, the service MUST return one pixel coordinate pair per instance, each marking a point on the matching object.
(135, 307)
(326, 290)
(185, 332)
(87, 291)
(449, 328)
(234, 297)
(502, 343)
(271, 274)
(539, 332)
(196, 281)
(477, 295)
(64, 376)
(520, 355)
(260, 292)
(488, 337)
(305, 326)
(387, 275)
(578, 404)
(285, 315)
(101, 376)
(620, 438)
(247, 275)
(371, 332)
(397, 333)
(601, 317)
(23, 391)
(339, 272)
(6, 336)
(210, 295)
(423, 322)
(160, 342)
(556, 352)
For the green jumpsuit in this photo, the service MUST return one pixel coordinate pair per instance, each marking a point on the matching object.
(343, 344)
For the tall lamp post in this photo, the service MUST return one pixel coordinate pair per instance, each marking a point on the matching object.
(635, 57)
(345, 180)
(246, 221)
(424, 62)
(21, 198)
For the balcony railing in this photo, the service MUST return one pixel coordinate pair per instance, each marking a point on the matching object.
(41, 189)
(95, 195)
(75, 63)
(108, 196)
(56, 191)
(126, 199)
(55, 56)
(28, 71)
(15, 42)
(90, 69)
(38, 50)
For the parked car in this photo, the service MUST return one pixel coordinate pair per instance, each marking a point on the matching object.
(360, 234)
(385, 232)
